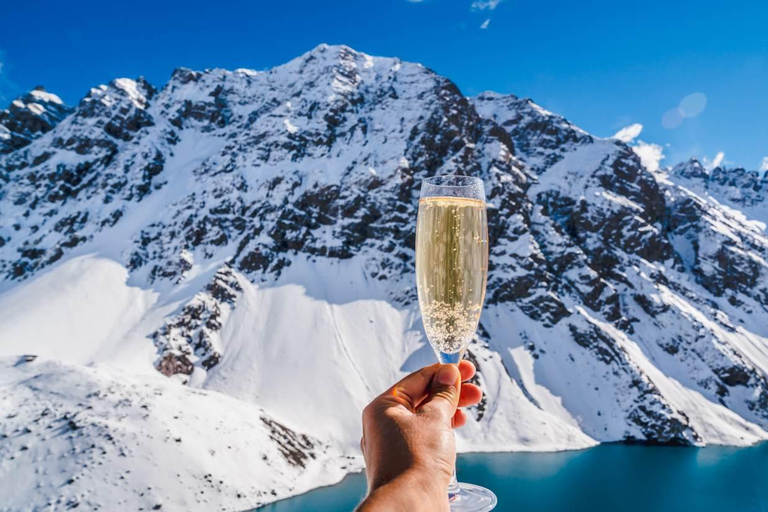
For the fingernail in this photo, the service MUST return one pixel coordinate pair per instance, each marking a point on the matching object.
(447, 375)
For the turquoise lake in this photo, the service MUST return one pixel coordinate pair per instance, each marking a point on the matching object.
(620, 478)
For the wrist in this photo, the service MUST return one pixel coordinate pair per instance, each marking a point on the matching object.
(412, 490)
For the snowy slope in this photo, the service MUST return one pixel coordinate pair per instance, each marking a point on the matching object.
(97, 438)
(242, 241)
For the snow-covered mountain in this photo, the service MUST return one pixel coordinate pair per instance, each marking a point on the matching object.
(217, 276)
(28, 117)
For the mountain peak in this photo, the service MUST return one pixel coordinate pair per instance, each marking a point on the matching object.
(326, 57)
(330, 49)
(493, 96)
(185, 75)
(41, 95)
(30, 116)
(139, 92)
(690, 169)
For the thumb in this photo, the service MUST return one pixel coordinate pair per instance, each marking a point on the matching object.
(443, 397)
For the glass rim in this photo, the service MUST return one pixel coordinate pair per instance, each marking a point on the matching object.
(436, 180)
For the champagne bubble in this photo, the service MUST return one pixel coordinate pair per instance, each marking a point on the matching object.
(451, 266)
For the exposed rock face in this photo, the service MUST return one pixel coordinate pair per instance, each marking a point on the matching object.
(737, 187)
(541, 138)
(192, 339)
(28, 117)
(59, 197)
(621, 302)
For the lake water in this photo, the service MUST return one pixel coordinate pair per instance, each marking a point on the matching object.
(616, 478)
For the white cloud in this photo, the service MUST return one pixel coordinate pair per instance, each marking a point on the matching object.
(711, 164)
(629, 133)
(718, 159)
(764, 164)
(481, 5)
(485, 24)
(650, 154)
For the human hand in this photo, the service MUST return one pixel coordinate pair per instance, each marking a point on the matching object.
(408, 441)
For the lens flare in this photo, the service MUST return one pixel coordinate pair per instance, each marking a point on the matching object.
(693, 104)
(672, 118)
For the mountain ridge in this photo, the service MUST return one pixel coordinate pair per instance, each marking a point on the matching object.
(234, 219)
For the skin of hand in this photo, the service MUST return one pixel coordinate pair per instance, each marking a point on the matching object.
(408, 442)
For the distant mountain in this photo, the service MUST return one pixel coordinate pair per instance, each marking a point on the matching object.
(229, 260)
(736, 188)
(28, 117)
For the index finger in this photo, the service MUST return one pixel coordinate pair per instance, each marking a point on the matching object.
(467, 370)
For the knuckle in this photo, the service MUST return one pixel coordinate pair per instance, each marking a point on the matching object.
(369, 412)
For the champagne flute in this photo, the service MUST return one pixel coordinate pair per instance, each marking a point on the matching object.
(451, 272)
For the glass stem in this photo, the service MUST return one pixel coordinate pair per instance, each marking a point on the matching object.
(453, 486)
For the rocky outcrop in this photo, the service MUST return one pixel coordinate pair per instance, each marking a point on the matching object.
(191, 339)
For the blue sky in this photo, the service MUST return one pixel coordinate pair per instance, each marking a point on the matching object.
(603, 65)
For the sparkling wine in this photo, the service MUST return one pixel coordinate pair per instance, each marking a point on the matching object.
(451, 269)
